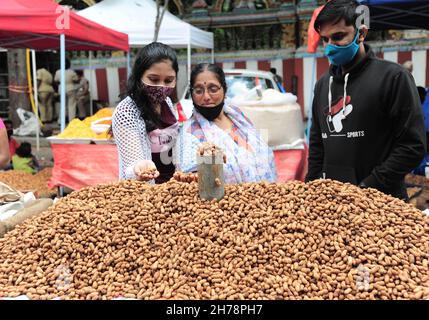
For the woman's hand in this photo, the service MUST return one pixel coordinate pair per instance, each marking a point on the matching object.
(145, 170)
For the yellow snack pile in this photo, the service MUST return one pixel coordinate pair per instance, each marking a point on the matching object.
(82, 129)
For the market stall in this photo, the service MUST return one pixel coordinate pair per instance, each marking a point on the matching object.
(42, 25)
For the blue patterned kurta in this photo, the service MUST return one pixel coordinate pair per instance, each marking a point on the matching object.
(242, 165)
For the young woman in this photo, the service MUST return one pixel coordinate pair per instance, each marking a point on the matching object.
(144, 124)
(249, 159)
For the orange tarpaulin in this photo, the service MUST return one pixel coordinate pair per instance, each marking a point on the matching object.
(80, 165)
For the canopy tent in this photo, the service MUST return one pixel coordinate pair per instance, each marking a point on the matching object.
(43, 24)
(37, 25)
(398, 14)
(137, 19)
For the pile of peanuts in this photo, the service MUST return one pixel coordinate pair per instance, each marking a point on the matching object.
(24, 181)
(321, 240)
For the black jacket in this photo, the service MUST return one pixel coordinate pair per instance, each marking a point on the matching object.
(378, 137)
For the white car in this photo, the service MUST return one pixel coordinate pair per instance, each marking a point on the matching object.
(239, 82)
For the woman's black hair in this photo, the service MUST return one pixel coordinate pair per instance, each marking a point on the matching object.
(154, 52)
(218, 72)
(336, 10)
(24, 150)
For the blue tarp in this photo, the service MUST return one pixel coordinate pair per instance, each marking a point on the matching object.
(398, 14)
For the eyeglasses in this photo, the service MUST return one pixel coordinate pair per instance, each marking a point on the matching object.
(212, 90)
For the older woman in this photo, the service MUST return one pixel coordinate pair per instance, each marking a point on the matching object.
(249, 159)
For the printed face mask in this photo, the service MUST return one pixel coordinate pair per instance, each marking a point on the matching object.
(342, 55)
(157, 94)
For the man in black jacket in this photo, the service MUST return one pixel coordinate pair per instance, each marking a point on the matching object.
(367, 124)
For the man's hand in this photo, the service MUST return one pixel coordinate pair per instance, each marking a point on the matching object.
(145, 170)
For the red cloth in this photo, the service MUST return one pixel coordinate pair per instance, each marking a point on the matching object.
(13, 145)
(80, 165)
(291, 164)
(313, 36)
(36, 24)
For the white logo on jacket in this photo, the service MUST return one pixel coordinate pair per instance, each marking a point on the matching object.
(337, 114)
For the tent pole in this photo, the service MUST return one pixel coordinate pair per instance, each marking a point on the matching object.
(36, 98)
(212, 55)
(189, 63)
(90, 84)
(189, 55)
(309, 111)
(63, 81)
(129, 63)
(63, 87)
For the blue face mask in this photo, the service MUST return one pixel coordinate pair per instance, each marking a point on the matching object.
(342, 55)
